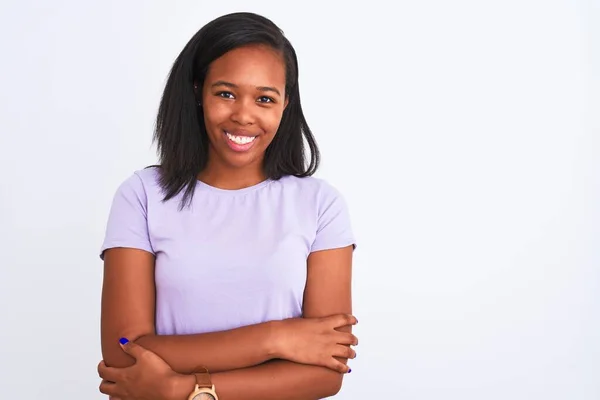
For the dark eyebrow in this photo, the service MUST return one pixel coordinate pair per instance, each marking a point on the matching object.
(223, 83)
(234, 86)
(268, 89)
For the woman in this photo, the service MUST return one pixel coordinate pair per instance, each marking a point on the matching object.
(227, 268)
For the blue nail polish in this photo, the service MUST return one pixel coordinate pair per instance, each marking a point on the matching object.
(349, 370)
(123, 340)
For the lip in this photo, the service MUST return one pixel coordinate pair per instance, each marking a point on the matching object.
(239, 148)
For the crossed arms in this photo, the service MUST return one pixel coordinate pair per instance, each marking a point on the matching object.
(296, 359)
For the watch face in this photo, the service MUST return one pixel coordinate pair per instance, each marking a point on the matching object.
(204, 396)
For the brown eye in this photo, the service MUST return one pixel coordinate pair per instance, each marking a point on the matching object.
(266, 99)
(225, 95)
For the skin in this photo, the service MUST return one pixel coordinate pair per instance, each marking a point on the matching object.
(296, 359)
(247, 98)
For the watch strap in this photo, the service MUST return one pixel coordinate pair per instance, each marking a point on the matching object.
(203, 380)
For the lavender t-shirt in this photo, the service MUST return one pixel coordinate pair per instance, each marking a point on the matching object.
(234, 257)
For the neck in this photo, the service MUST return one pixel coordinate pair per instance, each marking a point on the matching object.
(231, 178)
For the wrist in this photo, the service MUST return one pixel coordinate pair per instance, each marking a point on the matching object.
(180, 387)
(274, 339)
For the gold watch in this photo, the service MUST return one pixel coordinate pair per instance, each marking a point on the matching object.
(204, 389)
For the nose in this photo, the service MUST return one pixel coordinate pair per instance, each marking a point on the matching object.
(243, 112)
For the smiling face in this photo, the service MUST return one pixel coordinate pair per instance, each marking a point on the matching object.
(243, 99)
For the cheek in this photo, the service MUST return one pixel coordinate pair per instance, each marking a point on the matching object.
(213, 117)
(273, 121)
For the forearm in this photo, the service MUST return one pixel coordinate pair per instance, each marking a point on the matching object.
(274, 380)
(218, 351)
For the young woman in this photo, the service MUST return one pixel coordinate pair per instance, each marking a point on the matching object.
(227, 268)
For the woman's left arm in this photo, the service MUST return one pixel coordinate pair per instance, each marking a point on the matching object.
(328, 292)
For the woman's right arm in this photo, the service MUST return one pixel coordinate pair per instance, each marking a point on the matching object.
(128, 309)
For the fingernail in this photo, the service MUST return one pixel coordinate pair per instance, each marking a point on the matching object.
(123, 340)
(349, 370)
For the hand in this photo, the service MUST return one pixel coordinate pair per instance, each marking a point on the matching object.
(316, 341)
(150, 378)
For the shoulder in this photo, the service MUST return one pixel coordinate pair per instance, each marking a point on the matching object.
(316, 191)
(147, 177)
(328, 209)
(310, 185)
(142, 183)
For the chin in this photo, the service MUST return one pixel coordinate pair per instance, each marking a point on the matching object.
(241, 160)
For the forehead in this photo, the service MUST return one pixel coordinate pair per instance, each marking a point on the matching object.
(256, 65)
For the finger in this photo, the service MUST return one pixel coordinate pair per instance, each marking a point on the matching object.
(342, 320)
(344, 352)
(108, 388)
(346, 338)
(338, 366)
(108, 373)
(132, 348)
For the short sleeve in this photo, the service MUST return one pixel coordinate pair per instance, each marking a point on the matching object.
(127, 224)
(334, 229)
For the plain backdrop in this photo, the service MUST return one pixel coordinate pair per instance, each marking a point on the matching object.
(464, 136)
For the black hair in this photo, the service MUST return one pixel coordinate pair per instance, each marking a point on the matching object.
(180, 133)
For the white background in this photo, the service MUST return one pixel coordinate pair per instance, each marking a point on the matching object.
(463, 135)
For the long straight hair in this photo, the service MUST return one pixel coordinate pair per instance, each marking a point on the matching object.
(180, 133)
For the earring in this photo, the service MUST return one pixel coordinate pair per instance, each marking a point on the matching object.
(199, 102)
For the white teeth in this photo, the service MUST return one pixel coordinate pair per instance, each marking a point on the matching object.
(240, 139)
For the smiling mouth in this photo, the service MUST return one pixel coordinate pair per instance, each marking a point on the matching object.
(240, 139)
(240, 143)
